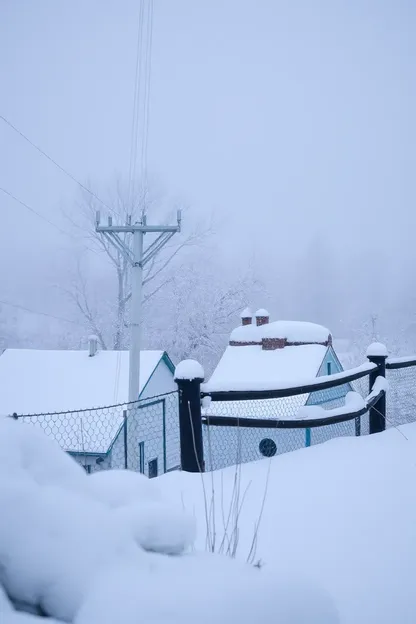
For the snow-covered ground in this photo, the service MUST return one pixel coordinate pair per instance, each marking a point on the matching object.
(110, 547)
(336, 542)
(343, 513)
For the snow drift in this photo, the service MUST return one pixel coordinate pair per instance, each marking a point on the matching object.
(110, 547)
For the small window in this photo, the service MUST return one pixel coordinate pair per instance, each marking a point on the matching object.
(328, 368)
(153, 470)
(141, 457)
(267, 447)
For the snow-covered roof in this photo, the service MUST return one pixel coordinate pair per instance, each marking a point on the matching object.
(45, 381)
(261, 312)
(34, 381)
(293, 331)
(252, 368)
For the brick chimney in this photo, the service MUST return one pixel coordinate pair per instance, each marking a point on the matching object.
(246, 317)
(262, 317)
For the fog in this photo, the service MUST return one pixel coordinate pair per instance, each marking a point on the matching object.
(289, 125)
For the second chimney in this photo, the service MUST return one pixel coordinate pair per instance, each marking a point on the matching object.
(246, 317)
(262, 317)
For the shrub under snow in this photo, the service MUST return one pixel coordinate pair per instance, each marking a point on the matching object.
(108, 548)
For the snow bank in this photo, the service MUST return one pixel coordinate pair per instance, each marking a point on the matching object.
(206, 589)
(93, 548)
(343, 512)
(189, 369)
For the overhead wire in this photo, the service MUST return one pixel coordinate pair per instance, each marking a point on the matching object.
(146, 104)
(54, 162)
(33, 211)
(58, 318)
(41, 216)
(136, 107)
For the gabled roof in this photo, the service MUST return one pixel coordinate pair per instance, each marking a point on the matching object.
(39, 381)
(250, 367)
(34, 381)
(246, 365)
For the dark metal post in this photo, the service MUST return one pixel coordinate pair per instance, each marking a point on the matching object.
(125, 440)
(190, 424)
(378, 411)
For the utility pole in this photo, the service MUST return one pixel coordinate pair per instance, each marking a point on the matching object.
(137, 256)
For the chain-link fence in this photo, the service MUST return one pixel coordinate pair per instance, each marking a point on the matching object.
(141, 436)
(225, 445)
(401, 396)
(145, 436)
(227, 442)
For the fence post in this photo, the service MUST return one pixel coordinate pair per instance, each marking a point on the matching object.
(125, 437)
(377, 354)
(189, 375)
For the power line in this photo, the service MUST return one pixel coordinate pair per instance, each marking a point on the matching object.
(41, 151)
(32, 210)
(58, 318)
(136, 104)
(41, 216)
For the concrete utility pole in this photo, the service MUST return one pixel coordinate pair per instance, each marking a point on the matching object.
(138, 257)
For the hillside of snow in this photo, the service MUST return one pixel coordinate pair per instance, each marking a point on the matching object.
(113, 547)
(343, 513)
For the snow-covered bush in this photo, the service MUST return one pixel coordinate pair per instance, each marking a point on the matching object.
(92, 549)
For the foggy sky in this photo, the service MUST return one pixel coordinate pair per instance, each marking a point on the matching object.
(287, 118)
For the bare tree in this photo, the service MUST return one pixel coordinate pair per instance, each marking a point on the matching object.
(199, 308)
(155, 277)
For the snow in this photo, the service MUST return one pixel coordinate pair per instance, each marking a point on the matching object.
(189, 369)
(343, 512)
(282, 381)
(377, 349)
(261, 313)
(252, 368)
(293, 331)
(246, 313)
(380, 384)
(37, 381)
(84, 550)
(353, 403)
(402, 360)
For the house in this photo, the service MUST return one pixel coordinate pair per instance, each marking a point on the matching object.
(80, 399)
(264, 355)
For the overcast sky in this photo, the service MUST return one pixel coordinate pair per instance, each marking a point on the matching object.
(288, 118)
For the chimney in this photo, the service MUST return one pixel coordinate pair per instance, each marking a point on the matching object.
(246, 317)
(262, 317)
(93, 345)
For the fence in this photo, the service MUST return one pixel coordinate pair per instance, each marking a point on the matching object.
(141, 436)
(163, 433)
(237, 427)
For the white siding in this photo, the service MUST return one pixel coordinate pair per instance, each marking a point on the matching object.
(155, 422)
